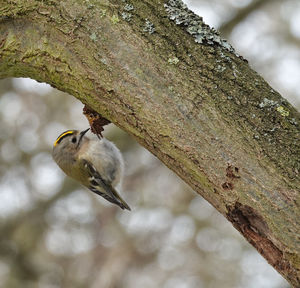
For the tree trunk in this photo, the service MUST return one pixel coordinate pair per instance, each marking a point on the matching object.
(158, 72)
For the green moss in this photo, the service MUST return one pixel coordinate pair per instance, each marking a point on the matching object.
(102, 13)
(11, 44)
(173, 60)
(283, 111)
(114, 19)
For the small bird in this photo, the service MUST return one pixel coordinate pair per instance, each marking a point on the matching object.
(95, 163)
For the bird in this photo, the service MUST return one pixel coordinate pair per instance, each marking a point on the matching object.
(93, 161)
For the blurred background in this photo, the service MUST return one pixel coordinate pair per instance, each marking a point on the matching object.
(55, 233)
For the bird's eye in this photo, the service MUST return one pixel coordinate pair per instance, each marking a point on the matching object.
(74, 140)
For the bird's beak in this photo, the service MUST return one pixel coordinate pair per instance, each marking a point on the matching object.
(81, 136)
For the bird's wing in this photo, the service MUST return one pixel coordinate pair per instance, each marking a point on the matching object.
(102, 187)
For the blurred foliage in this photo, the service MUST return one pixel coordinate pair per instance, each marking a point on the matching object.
(55, 233)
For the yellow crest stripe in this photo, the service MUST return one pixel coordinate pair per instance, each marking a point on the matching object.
(62, 136)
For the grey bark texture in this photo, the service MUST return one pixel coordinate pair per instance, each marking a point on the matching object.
(157, 71)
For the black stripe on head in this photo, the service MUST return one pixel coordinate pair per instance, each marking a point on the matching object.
(63, 135)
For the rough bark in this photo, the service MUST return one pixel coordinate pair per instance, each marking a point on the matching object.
(197, 106)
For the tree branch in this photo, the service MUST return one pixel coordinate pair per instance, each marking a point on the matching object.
(240, 15)
(197, 106)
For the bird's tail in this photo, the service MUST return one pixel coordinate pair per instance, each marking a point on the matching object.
(121, 202)
(110, 194)
(103, 188)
